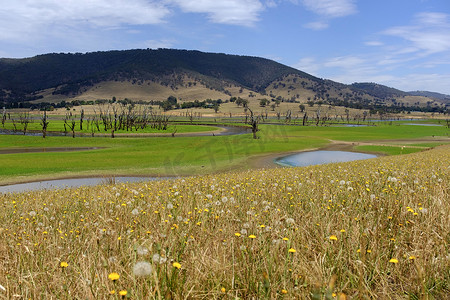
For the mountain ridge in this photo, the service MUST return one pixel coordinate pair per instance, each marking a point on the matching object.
(74, 74)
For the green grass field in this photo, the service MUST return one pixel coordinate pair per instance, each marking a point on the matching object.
(163, 156)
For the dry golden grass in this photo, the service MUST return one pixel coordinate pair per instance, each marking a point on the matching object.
(366, 229)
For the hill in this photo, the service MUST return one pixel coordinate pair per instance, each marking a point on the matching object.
(432, 95)
(188, 75)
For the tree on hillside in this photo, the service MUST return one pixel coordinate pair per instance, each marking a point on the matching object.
(263, 102)
(302, 107)
(172, 100)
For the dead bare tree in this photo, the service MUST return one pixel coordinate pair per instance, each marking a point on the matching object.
(44, 123)
(24, 119)
(81, 119)
(254, 123)
(317, 117)
(3, 117)
(288, 116)
(70, 122)
(305, 118)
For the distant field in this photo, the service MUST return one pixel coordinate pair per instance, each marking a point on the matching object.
(372, 229)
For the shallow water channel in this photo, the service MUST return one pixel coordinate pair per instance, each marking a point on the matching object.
(320, 157)
(73, 182)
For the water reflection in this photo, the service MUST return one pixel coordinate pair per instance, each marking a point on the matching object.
(320, 157)
(73, 182)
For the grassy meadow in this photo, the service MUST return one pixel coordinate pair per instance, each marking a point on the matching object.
(371, 229)
(167, 156)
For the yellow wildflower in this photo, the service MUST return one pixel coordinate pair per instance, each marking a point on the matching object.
(394, 260)
(113, 276)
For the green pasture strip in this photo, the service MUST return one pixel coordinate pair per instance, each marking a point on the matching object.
(389, 150)
(58, 126)
(365, 133)
(429, 145)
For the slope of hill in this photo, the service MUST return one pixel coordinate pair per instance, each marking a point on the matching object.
(69, 73)
(432, 95)
(188, 75)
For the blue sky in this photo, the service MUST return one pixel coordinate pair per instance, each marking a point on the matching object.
(400, 43)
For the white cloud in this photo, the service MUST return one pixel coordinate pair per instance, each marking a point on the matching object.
(20, 20)
(374, 43)
(347, 62)
(234, 12)
(331, 8)
(420, 81)
(308, 65)
(430, 33)
(97, 13)
(271, 3)
(316, 25)
(373, 68)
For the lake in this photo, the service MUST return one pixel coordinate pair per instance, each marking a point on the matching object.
(320, 157)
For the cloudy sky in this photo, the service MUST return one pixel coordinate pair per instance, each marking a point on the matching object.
(400, 43)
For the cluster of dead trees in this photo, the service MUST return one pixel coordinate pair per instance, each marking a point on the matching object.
(109, 119)
(115, 118)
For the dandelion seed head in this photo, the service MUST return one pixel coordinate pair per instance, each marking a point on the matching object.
(142, 268)
(142, 250)
(158, 259)
(290, 221)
